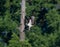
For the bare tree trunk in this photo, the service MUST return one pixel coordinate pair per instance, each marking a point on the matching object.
(22, 26)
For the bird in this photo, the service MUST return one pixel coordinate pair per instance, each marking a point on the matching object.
(29, 24)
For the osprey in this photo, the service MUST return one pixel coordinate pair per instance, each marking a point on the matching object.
(30, 24)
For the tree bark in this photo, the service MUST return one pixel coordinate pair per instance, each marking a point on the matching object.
(22, 26)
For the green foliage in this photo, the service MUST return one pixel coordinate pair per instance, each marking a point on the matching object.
(15, 42)
(1, 44)
(44, 33)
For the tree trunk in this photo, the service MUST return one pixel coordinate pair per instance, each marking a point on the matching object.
(22, 26)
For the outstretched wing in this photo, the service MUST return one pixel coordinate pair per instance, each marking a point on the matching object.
(33, 19)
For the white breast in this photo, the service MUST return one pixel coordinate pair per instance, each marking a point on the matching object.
(30, 23)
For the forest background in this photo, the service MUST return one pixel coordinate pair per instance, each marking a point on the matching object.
(44, 33)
